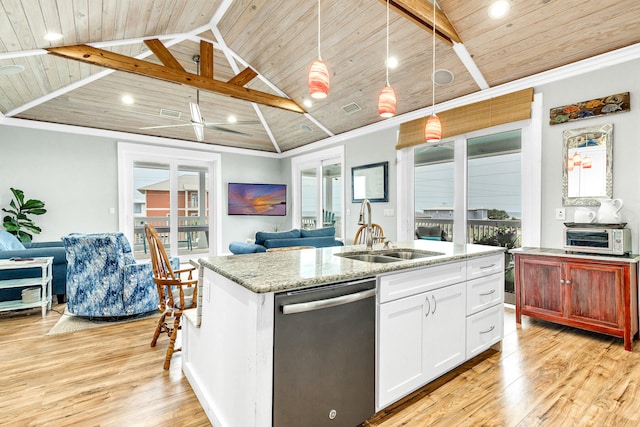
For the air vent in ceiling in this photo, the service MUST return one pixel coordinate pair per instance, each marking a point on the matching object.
(170, 113)
(351, 108)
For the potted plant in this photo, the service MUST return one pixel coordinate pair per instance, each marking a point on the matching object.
(17, 221)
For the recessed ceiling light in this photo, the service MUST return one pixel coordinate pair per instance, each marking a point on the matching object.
(305, 127)
(392, 62)
(307, 103)
(232, 119)
(11, 69)
(127, 99)
(53, 37)
(499, 8)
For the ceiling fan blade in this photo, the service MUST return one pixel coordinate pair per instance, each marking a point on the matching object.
(196, 117)
(210, 126)
(198, 128)
(245, 122)
(166, 126)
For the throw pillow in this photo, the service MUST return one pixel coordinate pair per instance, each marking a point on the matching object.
(9, 242)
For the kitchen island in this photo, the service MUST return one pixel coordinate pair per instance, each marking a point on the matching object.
(228, 347)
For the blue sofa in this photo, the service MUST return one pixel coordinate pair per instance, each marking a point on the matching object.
(319, 238)
(11, 247)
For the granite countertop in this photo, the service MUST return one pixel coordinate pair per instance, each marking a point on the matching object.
(278, 271)
(630, 258)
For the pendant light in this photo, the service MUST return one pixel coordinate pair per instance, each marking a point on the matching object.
(433, 129)
(387, 97)
(577, 159)
(318, 72)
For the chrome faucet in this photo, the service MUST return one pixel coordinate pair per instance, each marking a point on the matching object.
(369, 239)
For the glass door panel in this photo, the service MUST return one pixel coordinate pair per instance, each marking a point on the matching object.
(493, 195)
(434, 191)
(151, 203)
(332, 197)
(309, 198)
(193, 213)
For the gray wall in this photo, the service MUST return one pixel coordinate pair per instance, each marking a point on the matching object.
(372, 148)
(626, 150)
(243, 168)
(75, 175)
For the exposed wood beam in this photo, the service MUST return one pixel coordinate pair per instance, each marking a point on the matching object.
(163, 54)
(244, 77)
(421, 13)
(119, 62)
(206, 59)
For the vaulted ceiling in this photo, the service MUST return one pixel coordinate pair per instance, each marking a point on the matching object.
(278, 40)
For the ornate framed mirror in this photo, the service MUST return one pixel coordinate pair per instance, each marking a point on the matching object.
(587, 171)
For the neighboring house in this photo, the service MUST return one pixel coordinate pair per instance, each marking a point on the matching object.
(157, 197)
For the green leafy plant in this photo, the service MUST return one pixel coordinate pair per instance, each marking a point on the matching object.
(17, 221)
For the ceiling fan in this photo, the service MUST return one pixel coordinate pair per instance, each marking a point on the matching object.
(197, 121)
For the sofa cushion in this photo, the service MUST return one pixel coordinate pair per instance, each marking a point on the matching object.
(262, 236)
(239, 248)
(316, 242)
(9, 242)
(319, 232)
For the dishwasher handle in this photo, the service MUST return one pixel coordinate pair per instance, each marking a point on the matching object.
(326, 303)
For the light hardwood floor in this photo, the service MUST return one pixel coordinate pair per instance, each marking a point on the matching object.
(546, 375)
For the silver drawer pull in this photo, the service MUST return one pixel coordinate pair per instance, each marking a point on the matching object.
(482, 267)
(492, 291)
(488, 330)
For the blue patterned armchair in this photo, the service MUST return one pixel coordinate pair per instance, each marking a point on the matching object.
(104, 279)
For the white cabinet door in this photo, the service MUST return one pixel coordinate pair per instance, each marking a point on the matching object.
(445, 330)
(420, 338)
(401, 351)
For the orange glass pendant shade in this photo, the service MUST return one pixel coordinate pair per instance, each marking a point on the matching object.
(318, 79)
(387, 102)
(586, 162)
(433, 129)
(577, 159)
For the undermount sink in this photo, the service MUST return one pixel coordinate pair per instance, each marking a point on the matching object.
(369, 258)
(390, 255)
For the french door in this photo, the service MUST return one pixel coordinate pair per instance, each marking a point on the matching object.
(171, 190)
(318, 190)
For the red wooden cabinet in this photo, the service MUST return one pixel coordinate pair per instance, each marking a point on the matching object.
(595, 294)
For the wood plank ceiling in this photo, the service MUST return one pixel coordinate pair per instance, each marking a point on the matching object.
(278, 39)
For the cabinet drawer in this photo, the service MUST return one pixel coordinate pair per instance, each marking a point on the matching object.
(399, 285)
(484, 292)
(484, 329)
(484, 266)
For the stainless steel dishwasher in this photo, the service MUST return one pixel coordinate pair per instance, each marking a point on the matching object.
(324, 355)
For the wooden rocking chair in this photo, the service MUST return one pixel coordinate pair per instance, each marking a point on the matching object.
(176, 294)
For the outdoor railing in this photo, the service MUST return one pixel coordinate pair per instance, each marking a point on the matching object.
(188, 240)
(477, 229)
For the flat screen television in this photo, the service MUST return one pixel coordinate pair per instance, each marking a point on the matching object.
(257, 199)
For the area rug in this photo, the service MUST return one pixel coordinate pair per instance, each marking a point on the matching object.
(71, 323)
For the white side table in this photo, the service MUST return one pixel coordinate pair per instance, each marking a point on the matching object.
(45, 264)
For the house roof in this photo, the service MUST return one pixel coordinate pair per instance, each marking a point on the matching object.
(278, 40)
(185, 183)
